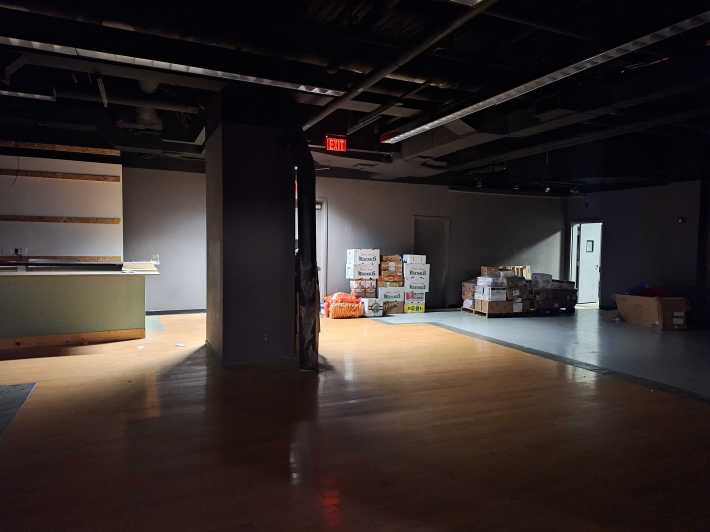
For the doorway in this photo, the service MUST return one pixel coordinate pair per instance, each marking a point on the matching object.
(322, 244)
(585, 261)
(431, 238)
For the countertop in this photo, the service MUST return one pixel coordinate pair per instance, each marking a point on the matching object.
(59, 273)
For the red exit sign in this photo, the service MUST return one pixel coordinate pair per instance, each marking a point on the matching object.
(336, 143)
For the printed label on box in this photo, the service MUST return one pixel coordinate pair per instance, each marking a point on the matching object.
(415, 296)
(414, 259)
(416, 270)
(413, 307)
(416, 284)
(391, 294)
(363, 256)
(361, 271)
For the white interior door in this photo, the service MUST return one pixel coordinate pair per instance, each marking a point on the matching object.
(589, 253)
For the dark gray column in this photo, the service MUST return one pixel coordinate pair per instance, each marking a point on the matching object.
(250, 231)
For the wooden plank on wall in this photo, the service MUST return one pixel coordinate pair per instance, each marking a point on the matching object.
(58, 219)
(110, 152)
(60, 175)
(68, 258)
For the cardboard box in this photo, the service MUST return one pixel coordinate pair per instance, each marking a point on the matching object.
(393, 307)
(494, 307)
(417, 297)
(361, 271)
(384, 283)
(410, 308)
(416, 283)
(391, 268)
(541, 281)
(363, 284)
(364, 292)
(391, 294)
(562, 285)
(363, 256)
(414, 259)
(550, 299)
(468, 289)
(391, 258)
(490, 293)
(372, 307)
(491, 281)
(416, 270)
(665, 313)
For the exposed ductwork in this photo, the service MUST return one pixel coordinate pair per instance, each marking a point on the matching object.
(553, 77)
(241, 46)
(379, 74)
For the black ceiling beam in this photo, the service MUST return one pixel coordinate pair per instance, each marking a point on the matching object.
(536, 25)
(379, 74)
(120, 71)
(604, 134)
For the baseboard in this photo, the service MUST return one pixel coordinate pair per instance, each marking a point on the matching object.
(71, 339)
(185, 311)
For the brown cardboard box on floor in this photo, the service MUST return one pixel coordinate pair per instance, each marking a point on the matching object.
(494, 307)
(665, 313)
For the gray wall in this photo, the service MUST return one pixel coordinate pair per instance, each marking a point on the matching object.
(642, 242)
(485, 229)
(38, 196)
(164, 213)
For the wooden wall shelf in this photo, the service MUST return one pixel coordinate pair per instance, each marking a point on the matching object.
(109, 152)
(12, 172)
(59, 219)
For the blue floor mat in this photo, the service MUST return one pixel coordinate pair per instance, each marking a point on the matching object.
(12, 397)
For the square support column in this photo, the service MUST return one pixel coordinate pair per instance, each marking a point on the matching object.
(250, 236)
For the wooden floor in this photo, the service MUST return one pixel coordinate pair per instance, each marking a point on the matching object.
(415, 428)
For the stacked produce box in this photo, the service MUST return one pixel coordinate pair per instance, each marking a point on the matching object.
(362, 269)
(416, 282)
(391, 284)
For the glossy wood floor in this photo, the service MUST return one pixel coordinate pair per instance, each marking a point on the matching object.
(415, 428)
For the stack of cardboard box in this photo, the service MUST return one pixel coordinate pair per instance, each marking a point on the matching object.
(551, 294)
(416, 283)
(362, 268)
(391, 284)
(499, 292)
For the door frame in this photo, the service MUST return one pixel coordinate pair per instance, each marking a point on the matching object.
(448, 245)
(324, 230)
(570, 225)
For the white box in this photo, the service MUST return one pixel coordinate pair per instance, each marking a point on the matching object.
(416, 283)
(363, 256)
(414, 297)
(386, 294)
(372, 307)
(491, 293)
(362, 271)
(414, 259)
(416, 270)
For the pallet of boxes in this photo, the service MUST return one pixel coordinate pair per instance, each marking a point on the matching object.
(501, 291)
